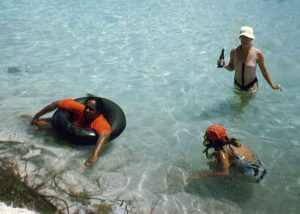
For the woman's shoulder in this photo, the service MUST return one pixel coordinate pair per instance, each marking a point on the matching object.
(257, 53)
(243, 151)
(235, 149)
(234, 49)
(70, 104)
(256, 50)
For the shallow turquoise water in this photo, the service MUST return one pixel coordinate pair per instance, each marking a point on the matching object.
(156, 59)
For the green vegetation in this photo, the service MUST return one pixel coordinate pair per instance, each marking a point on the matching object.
(15, 192)
(104, 208)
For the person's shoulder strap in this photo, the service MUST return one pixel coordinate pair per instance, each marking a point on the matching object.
(229, 149)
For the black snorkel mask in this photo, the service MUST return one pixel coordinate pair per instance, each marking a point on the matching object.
(207, 145)
(218, 145)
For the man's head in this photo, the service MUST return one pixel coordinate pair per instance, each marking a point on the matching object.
(93, 108)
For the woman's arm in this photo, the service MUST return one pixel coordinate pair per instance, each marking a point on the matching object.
(45, 110)
(222, 157)
(230, 65)
(101, 142)
(265, 72)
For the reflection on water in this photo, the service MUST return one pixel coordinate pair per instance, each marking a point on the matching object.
(157, 61)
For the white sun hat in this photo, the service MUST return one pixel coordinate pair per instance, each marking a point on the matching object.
(247, 31)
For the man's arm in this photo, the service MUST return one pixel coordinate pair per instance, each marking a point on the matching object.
(101, 142)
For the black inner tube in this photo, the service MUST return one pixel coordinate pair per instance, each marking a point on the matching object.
(63, 126)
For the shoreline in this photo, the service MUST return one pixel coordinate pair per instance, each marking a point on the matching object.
(18, 196)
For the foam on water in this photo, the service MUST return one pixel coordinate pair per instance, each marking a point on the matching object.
(156, 59)
(11, 210)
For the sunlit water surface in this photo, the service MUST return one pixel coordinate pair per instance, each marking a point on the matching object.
(156, 59)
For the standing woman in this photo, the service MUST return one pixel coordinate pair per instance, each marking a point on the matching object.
(243, 61)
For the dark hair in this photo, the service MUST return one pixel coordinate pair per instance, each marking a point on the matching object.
(99, 103)
(218, 145)
(235, 142)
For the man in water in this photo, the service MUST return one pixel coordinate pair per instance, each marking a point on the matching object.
(87, 115)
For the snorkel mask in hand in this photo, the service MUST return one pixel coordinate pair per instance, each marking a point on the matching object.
(207, 144)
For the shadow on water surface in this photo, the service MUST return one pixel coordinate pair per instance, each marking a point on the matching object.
(13, 70)
(231, 108)
(221, 188)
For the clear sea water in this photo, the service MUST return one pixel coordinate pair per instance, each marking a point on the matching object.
(156, 59)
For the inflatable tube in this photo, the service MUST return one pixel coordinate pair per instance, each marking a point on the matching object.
(62, 125)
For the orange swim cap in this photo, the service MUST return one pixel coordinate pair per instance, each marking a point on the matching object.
(216, 133)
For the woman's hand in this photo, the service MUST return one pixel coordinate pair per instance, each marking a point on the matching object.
(220, 63)
(277, 87)
(89, 162)
(101, 142)
(198, 176)
(34, 121)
